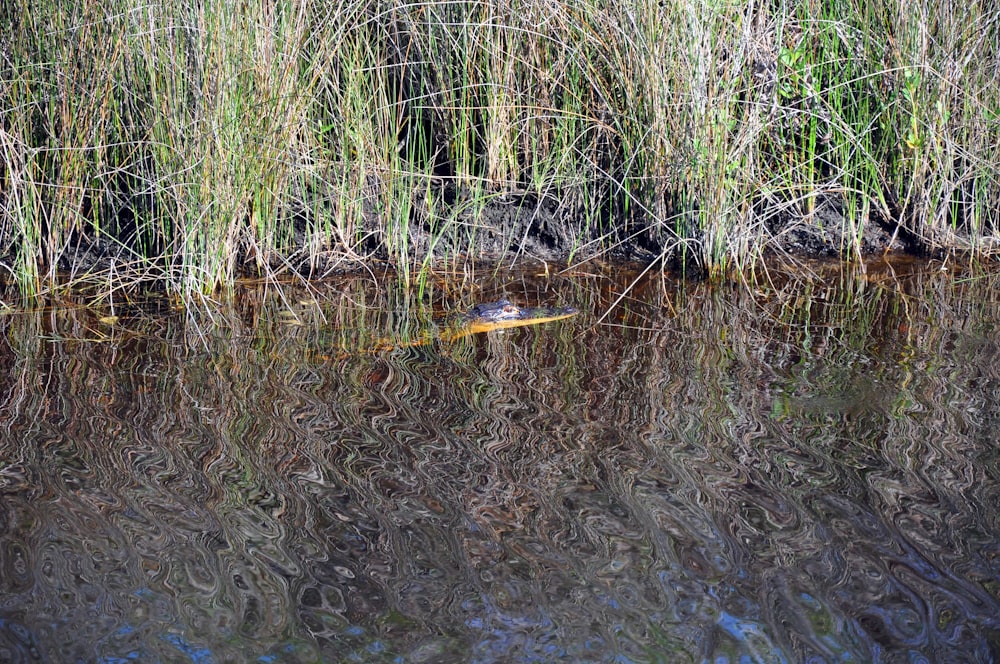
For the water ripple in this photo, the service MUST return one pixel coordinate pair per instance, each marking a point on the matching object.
(719, 485)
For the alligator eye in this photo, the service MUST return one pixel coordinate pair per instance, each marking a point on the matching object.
(511, 310)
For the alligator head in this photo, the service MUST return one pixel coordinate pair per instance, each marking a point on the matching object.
(502, 315)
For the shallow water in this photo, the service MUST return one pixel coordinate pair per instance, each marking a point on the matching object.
(807, 470)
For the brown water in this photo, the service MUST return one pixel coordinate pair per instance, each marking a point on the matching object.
(805, 471)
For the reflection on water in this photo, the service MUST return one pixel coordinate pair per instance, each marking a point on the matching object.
(809, 472)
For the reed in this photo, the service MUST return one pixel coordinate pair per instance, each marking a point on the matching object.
(188, 143)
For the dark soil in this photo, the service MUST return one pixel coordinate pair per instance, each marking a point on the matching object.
(525, 225)
(511, 225)
(827, 233)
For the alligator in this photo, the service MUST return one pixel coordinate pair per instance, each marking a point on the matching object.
(500, 315)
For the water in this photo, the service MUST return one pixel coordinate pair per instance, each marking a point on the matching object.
(804, 471)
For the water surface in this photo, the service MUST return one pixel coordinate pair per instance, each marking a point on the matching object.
(802, 470)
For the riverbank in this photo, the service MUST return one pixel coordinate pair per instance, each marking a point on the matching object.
(190, 144)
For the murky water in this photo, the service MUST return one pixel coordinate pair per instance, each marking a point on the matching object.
(805, 471)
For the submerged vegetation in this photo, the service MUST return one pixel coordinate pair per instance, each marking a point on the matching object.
(188, 143)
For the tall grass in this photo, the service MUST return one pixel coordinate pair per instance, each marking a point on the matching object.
(188, 142)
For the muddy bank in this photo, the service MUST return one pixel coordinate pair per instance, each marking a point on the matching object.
(516, 225)
(525, 225)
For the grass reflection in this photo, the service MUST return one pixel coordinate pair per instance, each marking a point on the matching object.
(710, 471)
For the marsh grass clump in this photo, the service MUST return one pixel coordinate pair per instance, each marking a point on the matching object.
(188, 143)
